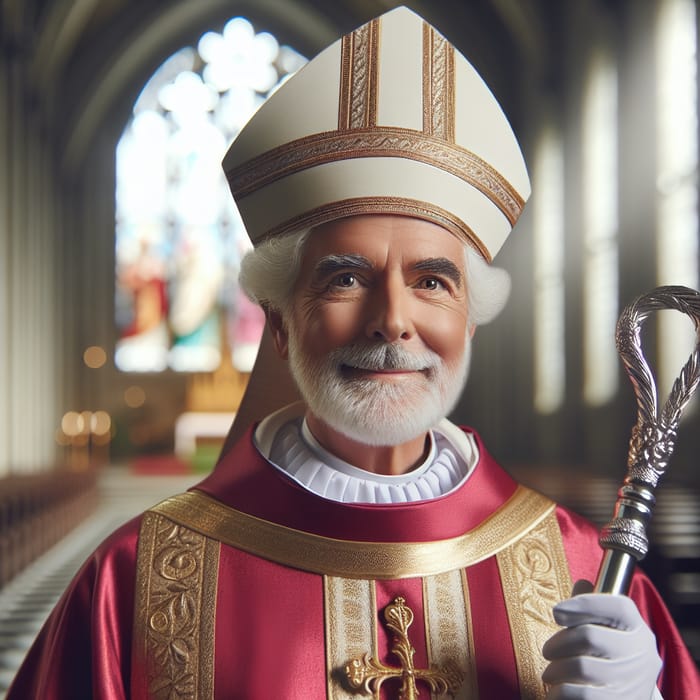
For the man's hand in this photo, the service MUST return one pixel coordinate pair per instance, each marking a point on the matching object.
(605, 651)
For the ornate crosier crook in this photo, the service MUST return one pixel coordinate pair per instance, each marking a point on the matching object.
(653, 437)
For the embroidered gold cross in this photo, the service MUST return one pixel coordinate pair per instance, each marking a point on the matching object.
(367, 674)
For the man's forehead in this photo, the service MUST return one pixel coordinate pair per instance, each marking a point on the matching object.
(381, 236)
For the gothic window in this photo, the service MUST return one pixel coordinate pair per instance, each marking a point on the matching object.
(179, 238)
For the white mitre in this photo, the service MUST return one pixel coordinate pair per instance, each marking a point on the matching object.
(389, 119)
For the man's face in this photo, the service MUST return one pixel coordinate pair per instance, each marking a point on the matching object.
(377, 332)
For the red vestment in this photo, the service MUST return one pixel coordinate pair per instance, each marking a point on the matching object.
(286, 631)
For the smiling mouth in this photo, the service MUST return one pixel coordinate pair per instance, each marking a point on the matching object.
(357, 372)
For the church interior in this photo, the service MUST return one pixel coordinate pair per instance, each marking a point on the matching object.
(126, 344)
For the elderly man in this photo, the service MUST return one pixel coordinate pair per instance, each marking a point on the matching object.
(358, 543)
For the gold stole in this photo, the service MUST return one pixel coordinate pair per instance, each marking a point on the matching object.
(177, 576)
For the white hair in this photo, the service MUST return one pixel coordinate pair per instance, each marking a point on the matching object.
(270, 271)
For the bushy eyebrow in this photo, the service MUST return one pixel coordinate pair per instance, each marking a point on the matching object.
(331, 264)
(441, 266)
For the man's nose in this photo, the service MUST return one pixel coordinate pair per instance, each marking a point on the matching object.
(390, 313)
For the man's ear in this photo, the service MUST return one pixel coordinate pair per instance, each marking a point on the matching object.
(278, 331)
(472, 329)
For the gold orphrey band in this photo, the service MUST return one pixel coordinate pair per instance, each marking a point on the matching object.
(438, 86)
(359, 65)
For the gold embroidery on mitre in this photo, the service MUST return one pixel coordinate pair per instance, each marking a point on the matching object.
(535, 576)
(366, 674)
(449, 631)
(438, 85)
(359, 68)
(175, 608)
(384, 205)
(377, 142)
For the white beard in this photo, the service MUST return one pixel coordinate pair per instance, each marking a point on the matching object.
(374, 411)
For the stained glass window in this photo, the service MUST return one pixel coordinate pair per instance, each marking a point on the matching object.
(179, 237)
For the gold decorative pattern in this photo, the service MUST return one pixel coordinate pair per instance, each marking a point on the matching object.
(448, 623)
(350, 612)
(384, 205)
(367, 674)
(535, 576)
(438, 85)
(359, 69)
(376, 142)
(175, 608)
(349, 559)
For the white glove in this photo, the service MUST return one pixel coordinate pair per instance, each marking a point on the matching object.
(605, 651)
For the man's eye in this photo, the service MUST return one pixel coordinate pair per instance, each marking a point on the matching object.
(346, 279)
(431, 283)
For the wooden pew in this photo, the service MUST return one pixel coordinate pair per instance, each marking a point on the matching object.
(37, 510)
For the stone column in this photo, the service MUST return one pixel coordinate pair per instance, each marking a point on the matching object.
(4, 271)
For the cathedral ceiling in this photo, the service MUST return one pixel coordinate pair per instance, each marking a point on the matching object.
(85, 61)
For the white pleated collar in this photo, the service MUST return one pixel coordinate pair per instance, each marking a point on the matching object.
(286, 441)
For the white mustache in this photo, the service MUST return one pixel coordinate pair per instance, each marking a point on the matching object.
(382, 357)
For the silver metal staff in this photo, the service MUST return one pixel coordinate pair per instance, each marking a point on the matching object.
(653, 437)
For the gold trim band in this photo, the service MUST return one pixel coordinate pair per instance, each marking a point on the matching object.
(438, 85)
(448, 623)
(383, 205)
(349, 559)
(359, 68)
(350, 607)
(535, 575)
(376, 142)
(175, 609)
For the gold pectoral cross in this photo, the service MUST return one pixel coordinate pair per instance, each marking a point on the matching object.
(367, 674)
